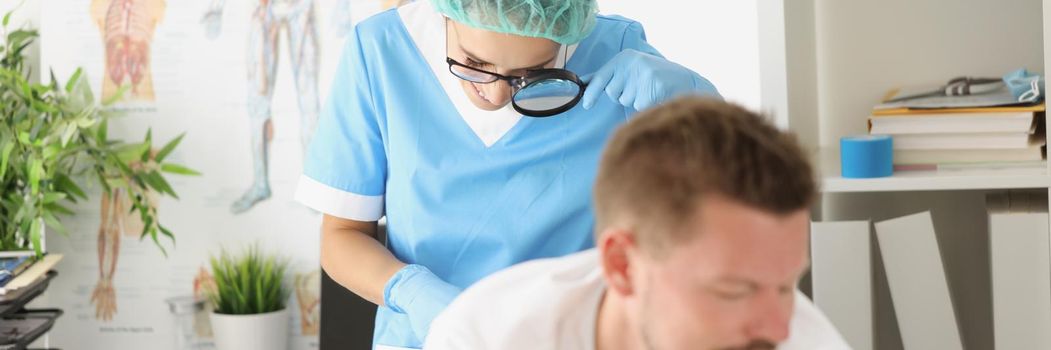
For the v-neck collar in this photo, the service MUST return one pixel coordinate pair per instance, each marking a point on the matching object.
(426, 27)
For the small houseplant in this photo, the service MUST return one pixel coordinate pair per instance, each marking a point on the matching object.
(249, 301)
(53, 139)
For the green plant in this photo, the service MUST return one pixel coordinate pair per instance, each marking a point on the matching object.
(252, 283)
(53, 136)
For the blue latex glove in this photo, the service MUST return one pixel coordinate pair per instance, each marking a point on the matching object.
(416, 292)
(640, 80)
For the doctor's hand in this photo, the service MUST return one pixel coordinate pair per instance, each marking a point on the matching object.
(416, 292)
(640, 80)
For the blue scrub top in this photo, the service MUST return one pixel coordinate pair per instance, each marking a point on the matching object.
(391, 142)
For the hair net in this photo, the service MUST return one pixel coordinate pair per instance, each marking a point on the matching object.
(563, 21)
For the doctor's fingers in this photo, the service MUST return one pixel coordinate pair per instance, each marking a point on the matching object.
(629, 97)
(596, 85)
(616, 87)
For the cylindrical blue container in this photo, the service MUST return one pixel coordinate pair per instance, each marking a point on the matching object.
(866, 156)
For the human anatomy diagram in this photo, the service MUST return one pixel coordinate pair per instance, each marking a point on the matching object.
(294, 21)
(117, 222)
(127, 28)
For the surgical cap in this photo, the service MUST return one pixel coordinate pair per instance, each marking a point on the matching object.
(562, 21)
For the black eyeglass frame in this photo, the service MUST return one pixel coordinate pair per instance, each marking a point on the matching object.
(516, 82)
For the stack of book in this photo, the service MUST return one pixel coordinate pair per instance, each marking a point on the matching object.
(21, 269)
(994, 137)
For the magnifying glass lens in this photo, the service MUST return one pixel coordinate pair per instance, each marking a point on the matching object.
(547, 97)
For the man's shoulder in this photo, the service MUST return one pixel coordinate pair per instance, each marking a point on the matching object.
(517, 303)
(532, 279)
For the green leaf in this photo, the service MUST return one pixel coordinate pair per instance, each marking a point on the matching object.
(73, 80)
(7, 18)
(16, 38)
(168, 148)
(158, 243)
(116, 95)
(66, 184)
(52, 222)
(51, 150)
(157, 181)
(129, 152)
(67, 135)
(145, 156)
(86, 121)
(103, 129)
(35, 170)
(53, 197)
(59, 209)
(34, 237)
(167, 233)
(178, 169)
(5, 155)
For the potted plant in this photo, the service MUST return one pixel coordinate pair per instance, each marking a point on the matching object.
(53, 138)
(249, 301)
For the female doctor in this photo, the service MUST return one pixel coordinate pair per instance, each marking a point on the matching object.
(465, 124)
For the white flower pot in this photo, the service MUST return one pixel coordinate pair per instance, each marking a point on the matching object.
(267, 331)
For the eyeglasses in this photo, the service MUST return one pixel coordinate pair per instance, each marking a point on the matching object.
(479, 76)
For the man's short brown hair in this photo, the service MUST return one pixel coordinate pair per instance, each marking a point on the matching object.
(658, 167)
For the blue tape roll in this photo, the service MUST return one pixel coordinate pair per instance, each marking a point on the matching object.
(866, 156)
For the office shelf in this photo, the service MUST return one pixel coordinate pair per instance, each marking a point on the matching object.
(937, 180)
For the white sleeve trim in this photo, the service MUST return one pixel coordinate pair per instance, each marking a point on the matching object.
(336, 202)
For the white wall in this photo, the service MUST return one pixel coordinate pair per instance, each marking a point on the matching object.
(718, 39)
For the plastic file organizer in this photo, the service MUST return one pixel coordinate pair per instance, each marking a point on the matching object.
(18, 326)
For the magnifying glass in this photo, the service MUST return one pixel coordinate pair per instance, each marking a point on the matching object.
(547, 92)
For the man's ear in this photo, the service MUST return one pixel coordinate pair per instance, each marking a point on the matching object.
(615, 249)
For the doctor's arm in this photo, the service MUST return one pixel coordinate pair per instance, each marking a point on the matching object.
(354, 258)
(345, 177)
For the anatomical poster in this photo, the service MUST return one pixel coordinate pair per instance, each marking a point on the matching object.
(244, 81)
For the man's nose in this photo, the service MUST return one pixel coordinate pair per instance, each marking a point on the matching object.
(771, 317)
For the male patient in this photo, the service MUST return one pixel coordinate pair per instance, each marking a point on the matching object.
(702, 218)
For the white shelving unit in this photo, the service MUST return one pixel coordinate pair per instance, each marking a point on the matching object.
(825, 63)
(943, 180)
